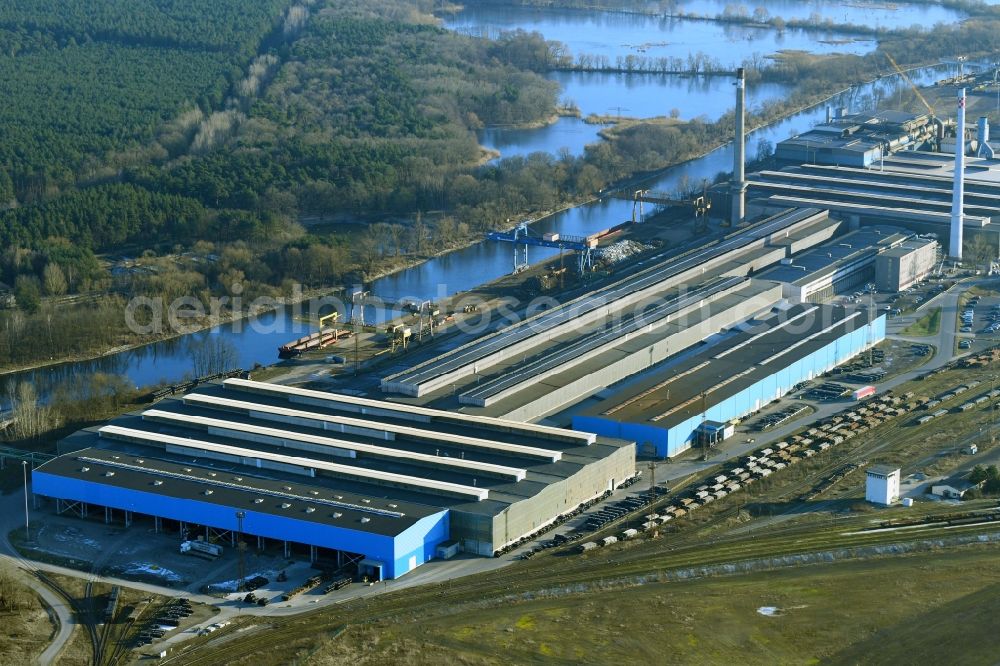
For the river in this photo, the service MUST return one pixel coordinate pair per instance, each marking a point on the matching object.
(257, 341)
(625, 95)
(617, 35)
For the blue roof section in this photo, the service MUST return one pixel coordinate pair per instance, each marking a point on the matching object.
(400, 536)
(237, 488)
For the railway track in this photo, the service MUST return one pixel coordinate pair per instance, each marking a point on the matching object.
(781, 542)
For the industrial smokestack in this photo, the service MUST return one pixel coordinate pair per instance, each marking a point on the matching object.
(958, 195)
(739, 186)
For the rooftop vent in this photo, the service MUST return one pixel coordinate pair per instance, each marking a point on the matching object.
(237, 478)
(336, 514)
(212, 474)
(109, 473)
(366, 500)
(286, 505)
(366, 520)
(209, 491)
(310, 509)
(314, 492)
(157, 482)
(187, 469)
(287, 487)
(258, 500)
(84, 469)
(140, 460)
(340, 497)
(392, 506)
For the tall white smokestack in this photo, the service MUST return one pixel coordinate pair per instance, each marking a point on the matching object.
(739, 186)
(958, 195)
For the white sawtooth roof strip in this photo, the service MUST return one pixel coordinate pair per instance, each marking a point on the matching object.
(811, 337)
(132, 434)
(409, 431)
(529, 428)
(515, 473)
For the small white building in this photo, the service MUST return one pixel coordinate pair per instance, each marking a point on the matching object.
(882, 484)
(953, 488)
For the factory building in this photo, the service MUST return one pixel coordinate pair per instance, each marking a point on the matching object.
(858, 140)
(667, 412)
(360, 480)
(882, 484)
(913, 190)
(853, 260)
(543, 365)
(739, 254)
(900, 267)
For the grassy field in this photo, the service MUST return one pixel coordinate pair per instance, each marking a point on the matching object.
(26, 628)
(929, 324)
(717, 621)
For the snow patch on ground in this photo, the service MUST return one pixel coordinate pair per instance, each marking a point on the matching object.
(135, 568)
(76, 537)
(232, 585)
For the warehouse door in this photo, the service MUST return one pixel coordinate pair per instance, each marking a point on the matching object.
(370, 569)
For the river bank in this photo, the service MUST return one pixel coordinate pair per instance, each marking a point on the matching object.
(400, 269)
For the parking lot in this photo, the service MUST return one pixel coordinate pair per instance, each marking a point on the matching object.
(896, 305)
(979, 319)
(138, 553)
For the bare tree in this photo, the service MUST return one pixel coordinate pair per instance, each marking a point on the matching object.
(31, 417)
(213, 355)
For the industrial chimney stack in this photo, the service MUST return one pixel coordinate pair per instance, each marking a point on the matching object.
(739, 186)
(958, 195)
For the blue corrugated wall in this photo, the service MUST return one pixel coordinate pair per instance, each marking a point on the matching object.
(675, 440)
(409, 549)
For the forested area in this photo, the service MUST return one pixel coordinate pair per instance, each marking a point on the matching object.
(233, 26)
(79, 111)
(369, 111)
(367, 116)
(88, 86)
(201, 132)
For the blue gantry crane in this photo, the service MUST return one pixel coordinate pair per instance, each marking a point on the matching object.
(522, 237)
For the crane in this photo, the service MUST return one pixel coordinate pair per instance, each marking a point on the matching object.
(699, 204)
(522, 237)
(905, 77)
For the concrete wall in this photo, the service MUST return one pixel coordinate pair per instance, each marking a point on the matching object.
(401, 553)
(897, 272)
(483, 534)
(672, 440)
(529, 515)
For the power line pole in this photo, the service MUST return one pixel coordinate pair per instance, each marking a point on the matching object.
(871, 315)
(701, 431)
(241, 548)
(991, 417)
(27, 531)
(652, 483)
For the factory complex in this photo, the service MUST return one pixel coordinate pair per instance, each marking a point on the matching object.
(462, 452)
(337, 477)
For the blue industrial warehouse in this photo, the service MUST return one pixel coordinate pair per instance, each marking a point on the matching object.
(367, 483)
(738, 376)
